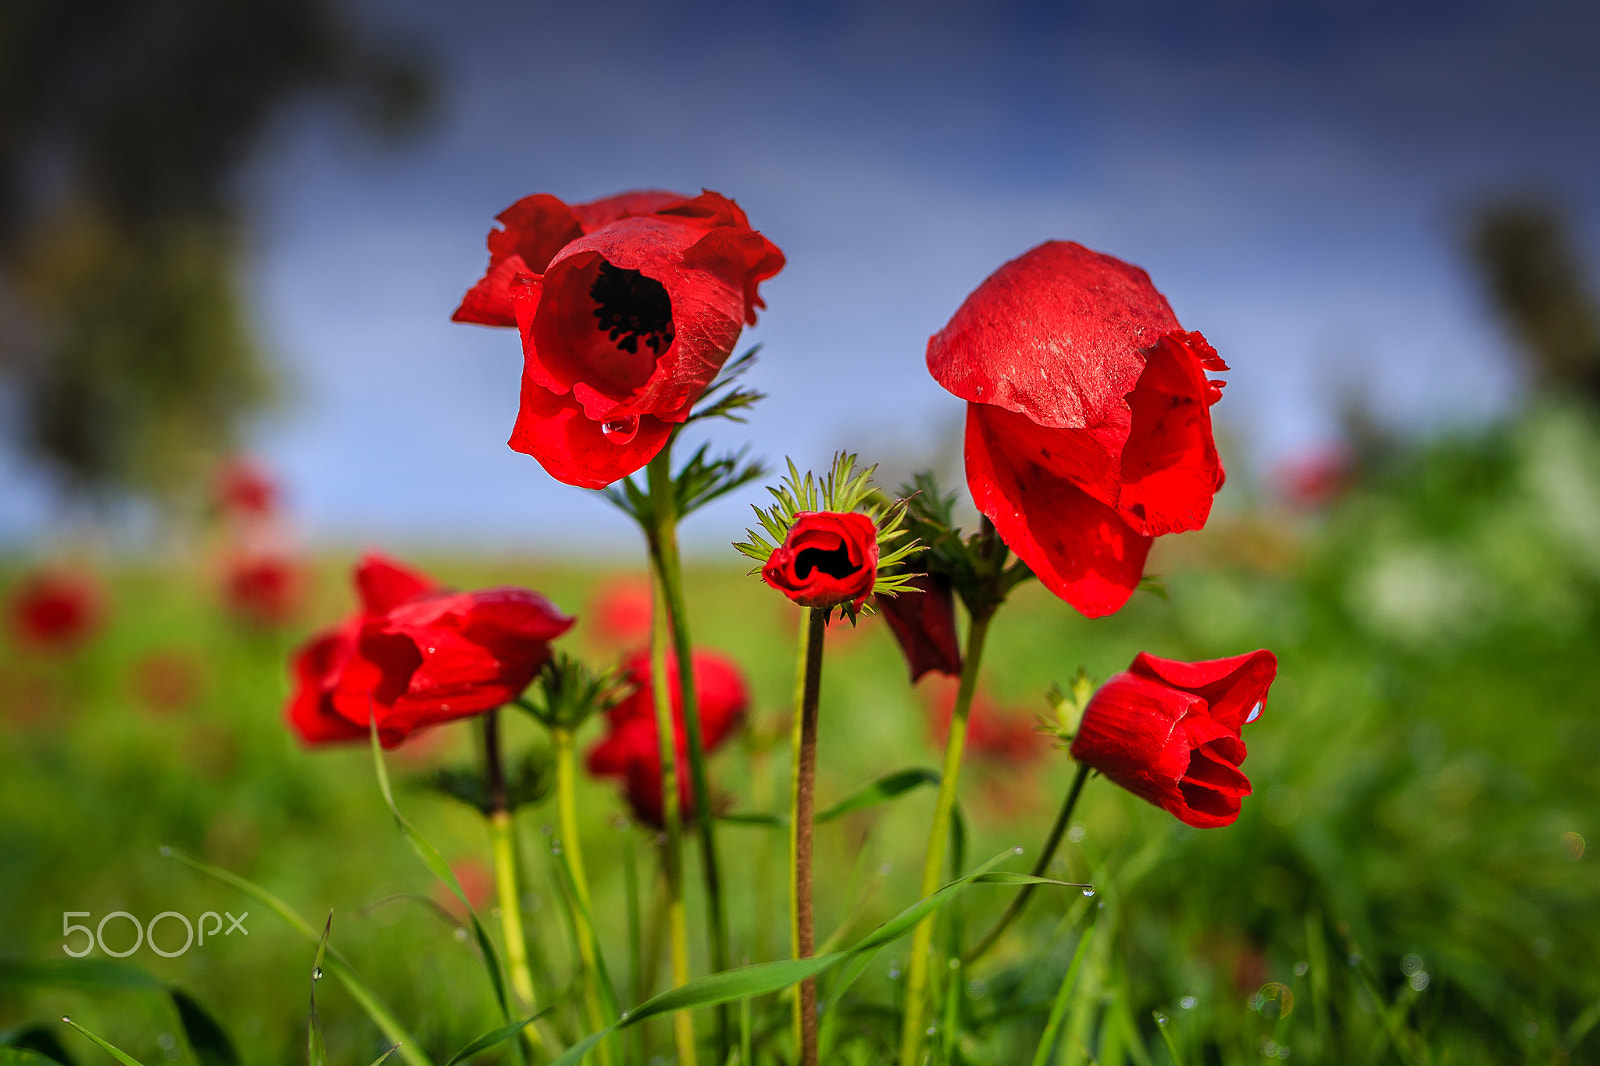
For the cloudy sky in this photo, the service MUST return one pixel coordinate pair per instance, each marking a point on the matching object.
(1295, 175)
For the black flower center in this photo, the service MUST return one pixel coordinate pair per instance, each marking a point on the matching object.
(834, 563)
(631, 308)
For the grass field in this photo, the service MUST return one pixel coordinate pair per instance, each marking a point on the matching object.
(1408, 883)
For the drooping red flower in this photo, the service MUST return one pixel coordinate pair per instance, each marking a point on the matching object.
(1088, 417)
(56, 611)
(416, 655)
(924, 625)
(264, 589)
(245, 490)
(627, 307)
(630, 749)
(827, 559)
(1168, 732)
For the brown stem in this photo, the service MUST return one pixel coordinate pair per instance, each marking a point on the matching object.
(805, 771)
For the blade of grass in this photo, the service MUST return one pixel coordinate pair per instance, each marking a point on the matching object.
(316, 1049)
(110, 1049)
(1058, 1009)
(381, 1059)
(494, 1038)
(336, 963)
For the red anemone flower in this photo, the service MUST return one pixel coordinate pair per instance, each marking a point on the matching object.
(828, 558)
(245, 490)
(923, 621)
(1088, 417)
(1007, 738)
(630, 749)
(416, 655)
(1168, 732)
(627, 307)
(56, 611)
(265, 589)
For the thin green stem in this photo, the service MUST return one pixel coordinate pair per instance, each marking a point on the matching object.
(933, 865)
(665, 557)
(672, 850)
(808, 681)
(502, 842)
(572, 851)
(1020, 900)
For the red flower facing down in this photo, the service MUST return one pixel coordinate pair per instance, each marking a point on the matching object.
(924, 625)
(827, 559)
(416, 655)
(1088, 417)
(627, 307)
(1168, 732)
(55, 611)
(630, 749)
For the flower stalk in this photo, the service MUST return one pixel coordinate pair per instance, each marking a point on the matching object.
(1040, 866)
(802, 932)
(572, 851)
(938, 835)
(672, 818)
(502, 843)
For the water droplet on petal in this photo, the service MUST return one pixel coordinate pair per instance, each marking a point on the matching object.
(620, 431)
(1255, 712)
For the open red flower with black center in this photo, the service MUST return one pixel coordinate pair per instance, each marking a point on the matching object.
(1168, 732)
(828, 558)
(1088, 417)
(417, 655)
(627, 307)
(630, 749)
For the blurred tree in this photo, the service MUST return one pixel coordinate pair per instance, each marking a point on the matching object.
(1538, 285)
(124, 126)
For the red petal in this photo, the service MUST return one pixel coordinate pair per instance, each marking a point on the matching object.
(1170, 470)
(488, 303)
(597, 213)
(799, 575)
(576, 450)
(384, 584)
(1235, 688)
(1056, 334)
(1079, 548)
(924, 624)
(1130, 732)
(738, 253)
(536, 228)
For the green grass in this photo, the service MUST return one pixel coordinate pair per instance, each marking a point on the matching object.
(1408, 882)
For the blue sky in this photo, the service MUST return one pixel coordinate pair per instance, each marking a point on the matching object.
(1294, 175)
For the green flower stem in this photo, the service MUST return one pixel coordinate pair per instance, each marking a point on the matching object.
(502, 843)
(572, 849)
(938, 835)
(808, 678)
(672, 850)
(1020, 900)
(667, 561)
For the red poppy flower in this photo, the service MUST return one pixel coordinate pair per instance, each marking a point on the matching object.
(264, 590)
(1168, 732)
(627, 307)
(416, 655)
(924, 625)
(630, 749)
(620, 612)
(245, 490)
(1088, 417)
(55, 611)
(827, 559)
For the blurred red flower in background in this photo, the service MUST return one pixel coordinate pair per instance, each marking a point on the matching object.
(1088, 417)
(924, 625)
(1168, 731)
(627, 308)
(417, 655)
(619, 612)
(168, 680)
(244, 489)
(1000, 736)
(1318, 478)
(56, 611)
(827, 559)
(264, 589)
(630, 749)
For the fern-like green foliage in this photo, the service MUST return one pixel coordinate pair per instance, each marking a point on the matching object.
(567, 692)
(844, 489)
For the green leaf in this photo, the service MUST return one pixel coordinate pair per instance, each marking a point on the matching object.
(754, 818)
(336, 963)
(110, 1049)
(316, 1049)
(439, 868)
(21, 1056)
(493, 1038)
(83, 973)
(381, 1059)
(39, 1040)
(881, 791)
(207, 1039)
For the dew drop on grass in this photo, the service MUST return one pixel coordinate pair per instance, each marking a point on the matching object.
(460, 934)
(1161, 1019)
(316, 973)
(1089, 891)
(164, 851)
(1187, 1002)
(1301, 969)
(1076, 834)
